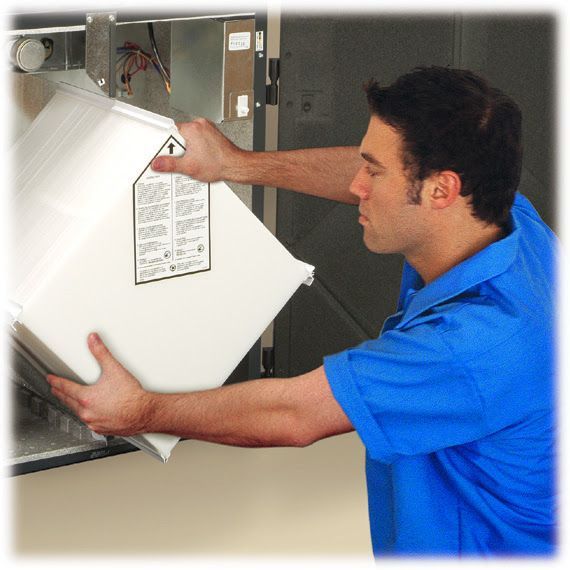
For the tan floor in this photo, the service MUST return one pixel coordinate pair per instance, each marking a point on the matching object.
(208, 500)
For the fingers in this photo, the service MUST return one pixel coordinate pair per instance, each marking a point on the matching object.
(69, 393)
(166, 164)
(101, 353)
(67, 387)
(70, 403)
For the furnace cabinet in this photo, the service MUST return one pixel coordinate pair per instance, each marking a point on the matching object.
(79, 83)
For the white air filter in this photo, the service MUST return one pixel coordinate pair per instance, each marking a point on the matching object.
(178, 277)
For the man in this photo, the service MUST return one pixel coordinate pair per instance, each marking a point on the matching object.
(454, 399)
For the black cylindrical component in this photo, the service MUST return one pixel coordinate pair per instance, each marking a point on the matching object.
(268, 362)
(272, 90)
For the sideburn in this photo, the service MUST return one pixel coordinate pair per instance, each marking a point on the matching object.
(414, 191)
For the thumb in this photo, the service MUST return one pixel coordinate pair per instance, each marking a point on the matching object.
(166, 164)
(98, 349)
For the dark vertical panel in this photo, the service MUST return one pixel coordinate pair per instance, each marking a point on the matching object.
(324, 63)
(517, 55)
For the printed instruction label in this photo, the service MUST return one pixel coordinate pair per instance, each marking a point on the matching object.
(239, 40)
(259, 41)
(171, 214)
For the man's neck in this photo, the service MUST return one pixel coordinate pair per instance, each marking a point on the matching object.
(445, 250)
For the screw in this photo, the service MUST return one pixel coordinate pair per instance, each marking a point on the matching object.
(111, 18)
(89, 20)
(257, 104)
(260, 54)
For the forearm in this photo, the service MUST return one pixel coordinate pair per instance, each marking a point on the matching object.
(268, 412)
(323, 172)
(253, 414)
(258, 413)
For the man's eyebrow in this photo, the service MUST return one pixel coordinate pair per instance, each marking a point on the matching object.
(369, 158)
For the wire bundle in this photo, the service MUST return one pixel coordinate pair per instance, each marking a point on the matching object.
(134, 59)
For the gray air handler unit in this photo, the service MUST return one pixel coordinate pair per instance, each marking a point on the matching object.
(176, 66)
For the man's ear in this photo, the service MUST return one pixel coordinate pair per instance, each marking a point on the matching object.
(444, 189)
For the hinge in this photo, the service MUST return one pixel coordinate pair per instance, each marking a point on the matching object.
(268, 362)
(272, 90)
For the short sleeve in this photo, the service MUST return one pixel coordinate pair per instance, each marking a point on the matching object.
(405, 394)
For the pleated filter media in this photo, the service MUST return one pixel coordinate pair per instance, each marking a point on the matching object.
(178, 277)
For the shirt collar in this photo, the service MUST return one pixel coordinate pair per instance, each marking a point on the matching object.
(495, 259)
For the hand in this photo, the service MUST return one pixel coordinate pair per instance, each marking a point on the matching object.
(209, 156)
(116, 405)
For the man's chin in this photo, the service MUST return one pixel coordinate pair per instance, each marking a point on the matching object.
(375, 247)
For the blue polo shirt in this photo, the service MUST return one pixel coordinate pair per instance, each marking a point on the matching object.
(454, 404)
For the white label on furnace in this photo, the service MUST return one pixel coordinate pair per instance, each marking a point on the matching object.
(259, 41)
(239, 41)
(171, 222)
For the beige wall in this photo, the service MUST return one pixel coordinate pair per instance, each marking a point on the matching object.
(207, 500)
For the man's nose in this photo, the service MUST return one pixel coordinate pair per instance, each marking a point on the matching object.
(360, 185)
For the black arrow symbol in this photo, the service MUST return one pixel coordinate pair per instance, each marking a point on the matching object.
(171, 148)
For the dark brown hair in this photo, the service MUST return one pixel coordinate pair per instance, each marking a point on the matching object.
(452, 119)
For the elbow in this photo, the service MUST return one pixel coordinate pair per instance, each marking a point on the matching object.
(303, 433)
(301, 441)
(302, 436)
(289, 438)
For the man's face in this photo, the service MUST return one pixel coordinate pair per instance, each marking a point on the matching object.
(392, 223)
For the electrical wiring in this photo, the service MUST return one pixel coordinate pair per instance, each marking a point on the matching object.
(165, 71)
(134, 59)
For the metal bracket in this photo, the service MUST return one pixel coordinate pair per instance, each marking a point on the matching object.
(268, 362)
(272, 90)
(100, 47)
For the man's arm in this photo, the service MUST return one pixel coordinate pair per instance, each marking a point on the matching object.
(259, 413)
(323, 172)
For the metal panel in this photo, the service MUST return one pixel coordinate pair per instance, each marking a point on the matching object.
(100, 50)
(197, 64)
(239, 46)
(212, 69)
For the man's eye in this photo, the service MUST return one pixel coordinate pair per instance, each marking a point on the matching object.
(372, 173)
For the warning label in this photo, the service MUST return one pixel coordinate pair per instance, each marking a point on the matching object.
(171, 222)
